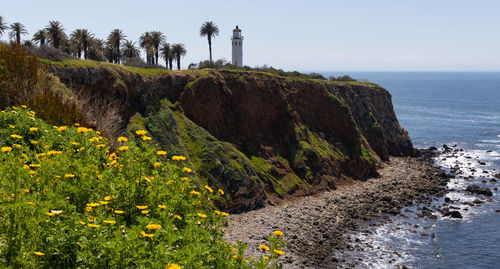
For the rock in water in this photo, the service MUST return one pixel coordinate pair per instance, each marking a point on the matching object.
(453, 214)
(479, 190)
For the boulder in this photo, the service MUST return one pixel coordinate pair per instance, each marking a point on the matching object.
(479, 190)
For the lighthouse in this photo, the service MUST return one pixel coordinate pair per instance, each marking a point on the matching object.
(237, 41)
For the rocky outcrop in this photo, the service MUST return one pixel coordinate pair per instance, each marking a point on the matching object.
(257, 135)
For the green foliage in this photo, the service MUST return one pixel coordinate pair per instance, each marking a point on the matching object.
(66, 202)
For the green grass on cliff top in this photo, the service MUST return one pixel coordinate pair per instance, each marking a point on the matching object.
(69, 63)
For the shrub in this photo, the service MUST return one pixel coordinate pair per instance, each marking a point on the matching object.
(49, 53)
(66, 201)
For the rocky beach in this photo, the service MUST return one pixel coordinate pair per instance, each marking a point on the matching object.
(340, 228)
(314, 226)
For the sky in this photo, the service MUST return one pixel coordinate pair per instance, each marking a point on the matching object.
(312, 35)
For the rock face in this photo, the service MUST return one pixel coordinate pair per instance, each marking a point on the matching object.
(256, 135)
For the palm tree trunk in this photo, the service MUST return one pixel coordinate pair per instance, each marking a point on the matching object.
(210, 47)
(178, 62)
(170, 62)
(18, 38)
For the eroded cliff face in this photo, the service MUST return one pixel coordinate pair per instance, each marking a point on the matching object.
(258, 136)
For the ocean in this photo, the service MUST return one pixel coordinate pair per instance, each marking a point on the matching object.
(453, 108)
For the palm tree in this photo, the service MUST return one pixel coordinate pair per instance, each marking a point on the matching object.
(145, 42)
(156, 39)
(166, 52)
(17, 30)
(129, 50)
(171, 57)
(39, 37)
(115, 39)
(55, 33)
(28, 43)
(96, 49)
(81, 38)
(76, 42)
(209, 29)
(3, 26)
(179, 51)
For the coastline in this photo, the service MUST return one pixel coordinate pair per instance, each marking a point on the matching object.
(315, 226)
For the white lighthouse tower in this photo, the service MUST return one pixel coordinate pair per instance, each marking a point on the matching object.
(237, 41)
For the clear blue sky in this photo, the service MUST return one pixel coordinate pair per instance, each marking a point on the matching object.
(312, 35)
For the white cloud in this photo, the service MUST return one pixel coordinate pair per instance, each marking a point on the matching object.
(411, 56)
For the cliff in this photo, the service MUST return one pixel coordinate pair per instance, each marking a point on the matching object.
(258, 136)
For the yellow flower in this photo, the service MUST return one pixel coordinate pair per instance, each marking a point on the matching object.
(88, 208)
(201, 215)
(177, 217)
(93, 204)
(34, 142)
(194, 193)
(103, 202)
(74, 143)
(31, 203)
(209, 189)
(145, 212)
(141, 207)
(16, 136)
(77, 124)
(279, 252)
(32, 173)
(12, 126)
(172, 266)
(187, 170)
(147, 235)
(34, 165)
(69, 175)
(33, 129)
(264, 247)
(62, 128)
(141, 132)
(146, 138)
(153, 226)
(50, 214)
(82, 130)
(221, 191)
(82, 223)
(109, 221)
(162, 206)
(123, 148)
(38, 253)
(94, 139)
(225, 214)
(178, 158)
(266, 258)
(94, 225)
(119, 212)
(100, 146)
(122, 139)
(278, 233)
(17, 146)
(157, 164)
(184, 178)
(52, 152)
(6, 149)
(161, 152)
(217, 212)
(107, 198)
(147, 179)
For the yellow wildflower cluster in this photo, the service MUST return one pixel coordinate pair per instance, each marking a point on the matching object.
(178, 158)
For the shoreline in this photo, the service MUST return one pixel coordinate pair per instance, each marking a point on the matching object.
(315, 226)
